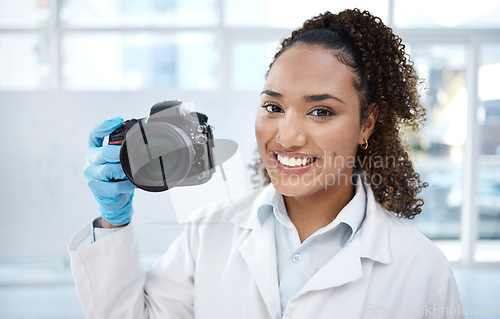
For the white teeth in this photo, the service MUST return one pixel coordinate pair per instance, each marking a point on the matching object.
(294, 161)
(285, 160)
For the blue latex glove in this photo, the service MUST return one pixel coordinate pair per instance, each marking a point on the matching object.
(102, 165)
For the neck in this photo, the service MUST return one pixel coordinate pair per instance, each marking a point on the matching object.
(312, 212)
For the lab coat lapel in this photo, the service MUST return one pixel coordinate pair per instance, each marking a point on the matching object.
(259, 252)
(343, 268)
(374, 234)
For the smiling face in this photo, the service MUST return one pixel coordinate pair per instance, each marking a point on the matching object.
(308, 128)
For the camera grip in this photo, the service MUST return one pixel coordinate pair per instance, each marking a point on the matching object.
(117, 138)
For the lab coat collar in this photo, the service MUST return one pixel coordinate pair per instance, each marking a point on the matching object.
(373, 235)
(259, 251)
(249, 219)
(353, 214)
(374, 238)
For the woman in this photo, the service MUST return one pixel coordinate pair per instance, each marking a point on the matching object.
(323, 239)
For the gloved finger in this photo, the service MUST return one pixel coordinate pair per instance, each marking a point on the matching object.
(104, 172)
(104, 154)
(100, 131)
(103, 189)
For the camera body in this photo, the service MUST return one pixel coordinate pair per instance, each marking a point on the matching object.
(173, 146)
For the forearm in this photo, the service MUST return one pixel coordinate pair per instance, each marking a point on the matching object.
(109, 276)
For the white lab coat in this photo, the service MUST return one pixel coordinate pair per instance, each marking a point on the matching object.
(224, 267)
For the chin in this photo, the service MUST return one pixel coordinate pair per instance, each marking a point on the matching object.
(310, 183)
(299, 190)
(288, 191)
(295, 185)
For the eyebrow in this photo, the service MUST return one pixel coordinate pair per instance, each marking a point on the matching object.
(271, 93)
(309, 98)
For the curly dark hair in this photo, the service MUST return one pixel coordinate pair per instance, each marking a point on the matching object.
(384, 78)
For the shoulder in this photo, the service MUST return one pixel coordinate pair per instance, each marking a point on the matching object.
(415, 256)
(408, 240)
(407, 258)
(401, 253)
(403, 241)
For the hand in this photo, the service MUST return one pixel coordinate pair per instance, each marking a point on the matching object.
(103, 165)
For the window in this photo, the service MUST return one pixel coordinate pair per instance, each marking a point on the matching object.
(438, 149)
(446, 13)
(221, 46)
(291, 14)
(488, 190)
(132, 61)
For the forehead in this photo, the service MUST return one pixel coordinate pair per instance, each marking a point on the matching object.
(305, 69)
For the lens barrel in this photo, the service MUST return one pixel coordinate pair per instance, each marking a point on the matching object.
(156, 156)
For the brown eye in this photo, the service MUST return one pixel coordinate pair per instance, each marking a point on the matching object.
(322, 112)
(272, 108)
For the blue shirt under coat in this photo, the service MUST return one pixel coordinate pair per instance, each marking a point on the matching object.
(297, 262)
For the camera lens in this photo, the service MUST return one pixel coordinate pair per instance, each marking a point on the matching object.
(156, 156)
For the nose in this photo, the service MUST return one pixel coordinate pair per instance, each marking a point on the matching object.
(291, 133)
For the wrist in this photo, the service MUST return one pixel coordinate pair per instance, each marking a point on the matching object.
(106, 224)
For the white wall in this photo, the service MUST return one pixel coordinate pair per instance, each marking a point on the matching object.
(44, 198)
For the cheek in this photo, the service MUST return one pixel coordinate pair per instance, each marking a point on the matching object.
(263, 131)
(341, 140)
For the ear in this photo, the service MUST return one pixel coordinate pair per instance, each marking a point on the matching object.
(369, 122)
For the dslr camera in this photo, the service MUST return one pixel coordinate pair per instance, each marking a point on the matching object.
(172, 147)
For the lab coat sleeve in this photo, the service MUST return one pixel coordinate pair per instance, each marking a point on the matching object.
(111, 281)
(445, 302)
(108, 274)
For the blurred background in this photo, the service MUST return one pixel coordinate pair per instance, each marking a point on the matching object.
(66, 65)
